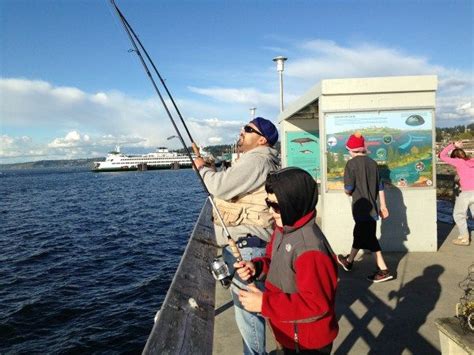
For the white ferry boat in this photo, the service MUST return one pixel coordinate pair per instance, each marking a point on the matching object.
(161, 159)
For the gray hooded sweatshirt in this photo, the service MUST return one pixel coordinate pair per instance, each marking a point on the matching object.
(247, 174)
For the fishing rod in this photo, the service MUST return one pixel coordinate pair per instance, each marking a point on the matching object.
(134, 40)
(122, 17)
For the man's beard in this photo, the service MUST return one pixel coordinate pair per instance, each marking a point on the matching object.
(238, 146)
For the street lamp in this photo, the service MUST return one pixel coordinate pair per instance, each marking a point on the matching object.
(252, 112)
(280, 62)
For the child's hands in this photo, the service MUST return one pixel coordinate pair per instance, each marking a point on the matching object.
(252, 299)
(458, 144)
(245, 269)
(383, 212)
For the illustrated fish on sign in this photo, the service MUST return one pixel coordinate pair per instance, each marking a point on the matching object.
(306, 151)
(415, 120)
(302, 140)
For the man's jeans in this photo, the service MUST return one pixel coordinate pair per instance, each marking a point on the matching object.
(251, 325)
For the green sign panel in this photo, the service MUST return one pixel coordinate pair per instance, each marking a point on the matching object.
(302, 150)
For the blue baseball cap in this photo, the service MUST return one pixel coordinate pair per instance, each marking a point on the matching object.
(267, 128)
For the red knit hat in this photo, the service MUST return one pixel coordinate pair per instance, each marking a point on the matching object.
(356, 142)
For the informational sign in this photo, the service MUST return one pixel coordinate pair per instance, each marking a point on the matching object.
(399, 141)
(302, 149)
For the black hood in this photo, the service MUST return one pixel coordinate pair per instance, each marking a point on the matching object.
(296, 191)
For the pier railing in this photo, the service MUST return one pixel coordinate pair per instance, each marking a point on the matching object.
(185, 322)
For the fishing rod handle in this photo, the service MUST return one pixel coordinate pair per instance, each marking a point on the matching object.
(235, 250)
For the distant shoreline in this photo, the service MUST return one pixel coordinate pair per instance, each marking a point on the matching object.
(42, 164)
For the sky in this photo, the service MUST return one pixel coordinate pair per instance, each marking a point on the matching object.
(70, 88)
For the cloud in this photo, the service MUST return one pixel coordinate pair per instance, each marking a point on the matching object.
(74, 145)
(215, 131)
(454, 110)
(451, 83)
(326, 59)
(33, 103)
(320, 59)
(72, 139)
(246, 96)
(40, 119)
(103, 117)
(215, 140)
(12, 148)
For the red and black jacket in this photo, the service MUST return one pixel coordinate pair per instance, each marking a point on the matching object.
(301, 281)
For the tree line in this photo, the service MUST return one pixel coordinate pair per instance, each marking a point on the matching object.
(455, 133)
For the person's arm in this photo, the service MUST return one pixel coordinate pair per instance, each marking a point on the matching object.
(252, 298)
(259, 266)
(444, 155)
(383, 210)
(199, 162)
(249, 173)
(315, 283)
(349, 181)
(383, 206)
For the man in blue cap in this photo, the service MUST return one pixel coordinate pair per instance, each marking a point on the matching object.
(239, 194)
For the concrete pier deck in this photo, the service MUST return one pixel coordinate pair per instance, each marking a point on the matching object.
(394, 317)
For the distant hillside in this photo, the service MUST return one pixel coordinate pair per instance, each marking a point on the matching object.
(71, 163)
(216, 151)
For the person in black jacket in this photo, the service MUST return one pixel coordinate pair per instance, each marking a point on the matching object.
(362, 182)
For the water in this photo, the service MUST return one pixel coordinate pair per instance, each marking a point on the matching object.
(86, 259)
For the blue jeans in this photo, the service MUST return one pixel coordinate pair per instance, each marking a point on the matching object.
(251, 325)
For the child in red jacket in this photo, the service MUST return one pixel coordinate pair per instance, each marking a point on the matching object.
(300, 269)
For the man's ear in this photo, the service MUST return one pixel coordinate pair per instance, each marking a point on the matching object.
(262, 140)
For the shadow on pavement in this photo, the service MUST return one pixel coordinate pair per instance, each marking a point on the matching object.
(399, 325)
(443, 231)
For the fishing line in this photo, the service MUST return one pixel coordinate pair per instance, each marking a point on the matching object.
(134, 40)
(157, 73)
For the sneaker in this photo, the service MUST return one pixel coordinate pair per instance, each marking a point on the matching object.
(461, 241)
(342, 260)
(380, 276)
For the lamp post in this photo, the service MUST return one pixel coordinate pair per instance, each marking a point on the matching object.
(280, 62)
(252, 112)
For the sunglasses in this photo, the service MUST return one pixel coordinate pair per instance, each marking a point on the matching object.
(249, 129)
(273, 205)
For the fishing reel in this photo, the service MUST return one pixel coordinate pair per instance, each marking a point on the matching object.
(221, 272)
